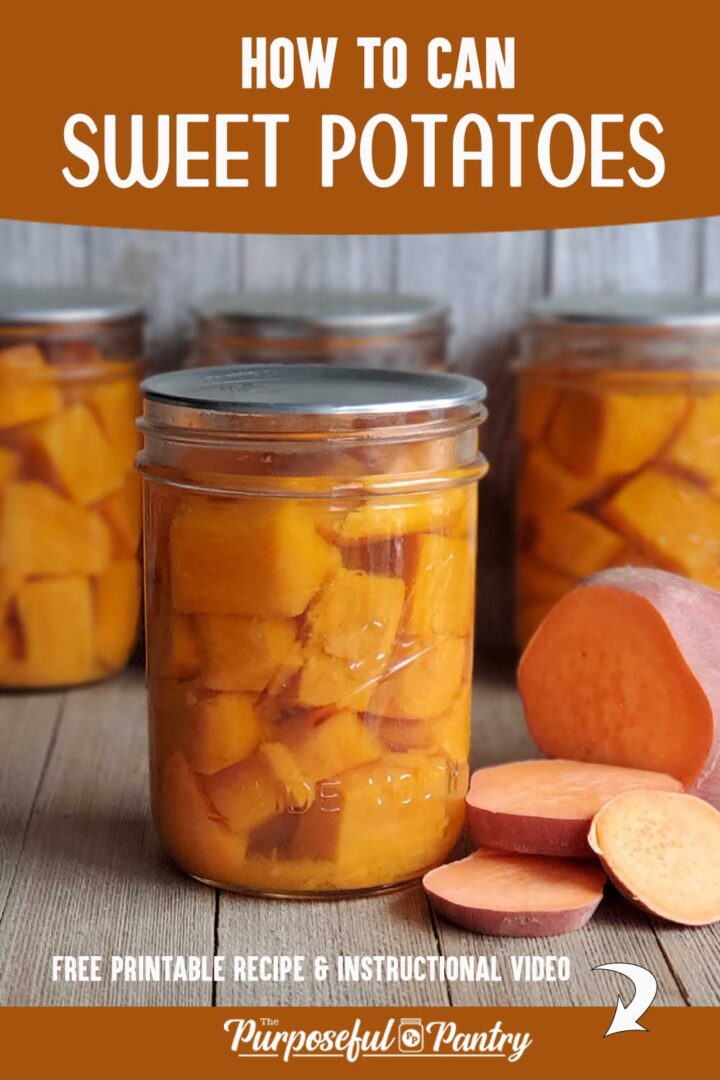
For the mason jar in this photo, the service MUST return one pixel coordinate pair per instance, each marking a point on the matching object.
(310, 562)
(343, 328)
(620, 429)
(70, 577)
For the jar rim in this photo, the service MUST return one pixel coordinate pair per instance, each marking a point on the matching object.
(626, 311)
(44, 306)
(315, 391)
(322, 312)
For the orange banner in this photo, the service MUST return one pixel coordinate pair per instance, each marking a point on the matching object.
(361, 1042)
(380, 118)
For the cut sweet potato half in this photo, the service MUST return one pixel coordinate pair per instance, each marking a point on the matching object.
(511, 895)
(662, 851)
(547, 807)
(625, 670)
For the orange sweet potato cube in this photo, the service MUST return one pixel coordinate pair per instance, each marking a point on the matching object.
(122, 510)
(352, 626)
(246, 557)
(576, 544)
(535, 580)
(241, 652)
(440, 586)
(179, 647)
(537, 402)
(425, 676)
(9, 466)
(547, 485)
(188, 826)
(117, 601)
(223, 730)
(57, 630)
(28, 390)
(672, 520)
(380, 822)
(609, 432)
(263, 785)
(117, 405)
(335, 745)
(76, 454)
(387, 516)
(696, 446)
(42, 533)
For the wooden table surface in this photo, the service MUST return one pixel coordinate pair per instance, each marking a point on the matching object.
(82, 873)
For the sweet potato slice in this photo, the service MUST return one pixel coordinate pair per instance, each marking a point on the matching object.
(625, 670)
(42, 533)
(75, 453)
(547, 807)
(575, 543)
(662, 851)
(671, 519)
(510, 895)
(609, 432)
(246, 557)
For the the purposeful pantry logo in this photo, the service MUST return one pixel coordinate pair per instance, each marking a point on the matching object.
(266, 1037)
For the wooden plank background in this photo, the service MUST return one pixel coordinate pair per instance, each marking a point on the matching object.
(488, 279)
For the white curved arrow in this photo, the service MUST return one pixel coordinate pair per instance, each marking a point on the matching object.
(626, 1016)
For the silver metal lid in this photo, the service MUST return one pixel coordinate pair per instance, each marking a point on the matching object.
(324, 313)
(313, 390)
(30, 306)
(632, 310)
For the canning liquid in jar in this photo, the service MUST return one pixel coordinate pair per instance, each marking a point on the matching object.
(359, 329)
(620, 429)
(70, 577)
(310, 562)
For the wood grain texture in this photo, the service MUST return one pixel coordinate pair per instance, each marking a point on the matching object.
(27, 726)
(318, 262)
(91, 879)
(32, 253)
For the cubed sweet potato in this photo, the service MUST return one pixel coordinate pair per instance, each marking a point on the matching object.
(243, 653)
(535, 580)
(116, 404)
(122, 510)
(546, 485)
(57, 630)
(537, 402)
(608, 432)
(27, 387)
(43, 533)
(264, 784)
(222, 730)
(382, 517)
(117, 601)
(696, 447)
(440, 586)
(246, 557)
(380, 823)
(334, 746)
(576, 544)
(188, 826)
(667, 516)
(74, 452)
(351, 629)
(9, 466)
(425, 676)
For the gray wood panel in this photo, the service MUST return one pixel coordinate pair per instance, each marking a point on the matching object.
(488, 280)
(316, 262)
(90, 879)
(33, 253)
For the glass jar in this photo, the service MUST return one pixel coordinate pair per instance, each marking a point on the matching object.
(344, 328)
(620, 429)
(70, 580)
(310, 562)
